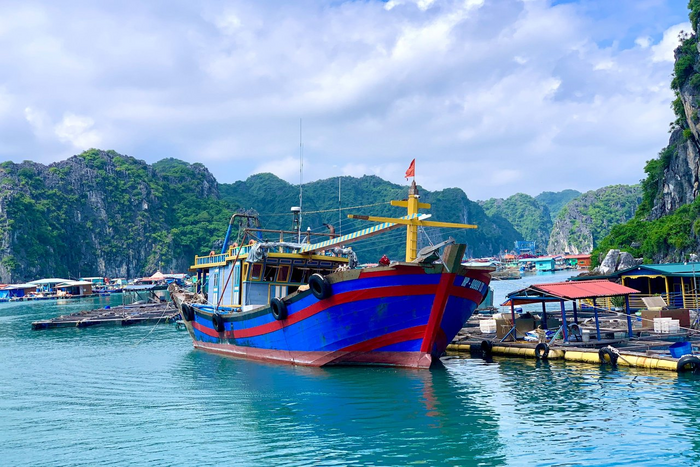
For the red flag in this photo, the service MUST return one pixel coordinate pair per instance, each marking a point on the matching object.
(411, 172)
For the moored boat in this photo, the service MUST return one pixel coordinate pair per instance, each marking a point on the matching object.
(309, 304)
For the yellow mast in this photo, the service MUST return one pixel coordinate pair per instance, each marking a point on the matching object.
(412, 221)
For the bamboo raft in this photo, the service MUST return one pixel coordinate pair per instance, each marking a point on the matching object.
(149, 313)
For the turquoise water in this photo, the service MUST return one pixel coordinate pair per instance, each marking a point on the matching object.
(142, 396)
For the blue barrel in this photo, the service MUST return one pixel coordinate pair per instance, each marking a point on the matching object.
(680, 348)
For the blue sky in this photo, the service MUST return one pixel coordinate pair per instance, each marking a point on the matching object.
(492, 96)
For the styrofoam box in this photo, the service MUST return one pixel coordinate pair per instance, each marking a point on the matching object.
(487, 326)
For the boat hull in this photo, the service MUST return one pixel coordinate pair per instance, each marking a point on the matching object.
(402, 315)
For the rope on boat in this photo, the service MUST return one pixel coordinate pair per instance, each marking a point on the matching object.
(334, 210)
(154, 326)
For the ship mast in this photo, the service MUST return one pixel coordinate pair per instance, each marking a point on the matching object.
(412, 221)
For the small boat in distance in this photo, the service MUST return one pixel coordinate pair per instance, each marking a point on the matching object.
(309, 303)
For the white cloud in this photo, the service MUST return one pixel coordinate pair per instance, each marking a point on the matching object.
(485, 95)
(76, 130)
(663, 51)
(643, 42)
(39, 120)
(286, 168)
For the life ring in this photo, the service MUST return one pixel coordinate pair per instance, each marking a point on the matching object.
(320, 286)
(235, 245)
(486, 348)
(541, 351)
(218, 321)
(211, 253)
(612, 357)
(279, 309)
(252, 242)
(689, 363)
(187, 312)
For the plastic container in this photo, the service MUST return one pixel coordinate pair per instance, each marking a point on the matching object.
(661, 324)
(680, 348)
(585, 335)
(487, 326)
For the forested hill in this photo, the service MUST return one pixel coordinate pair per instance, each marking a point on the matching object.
(105, 214)
(101, 213)
(272, 198)
(556, 200)
(530, 218)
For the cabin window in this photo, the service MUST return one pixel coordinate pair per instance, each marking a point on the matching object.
(283, 274)
(270, 273)
(256, 271)
(298, 275)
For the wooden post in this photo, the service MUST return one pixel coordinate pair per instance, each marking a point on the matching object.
(575, 312)
(563, 321)
(544, 315)
(597, 323)
(629, 318)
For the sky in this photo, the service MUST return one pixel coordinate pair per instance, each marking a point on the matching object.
(492, 96)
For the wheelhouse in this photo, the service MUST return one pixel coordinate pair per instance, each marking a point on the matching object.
(233, 281)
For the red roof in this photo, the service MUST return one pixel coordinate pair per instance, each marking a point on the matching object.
(585, 289)
(568, 291)
(576, 256)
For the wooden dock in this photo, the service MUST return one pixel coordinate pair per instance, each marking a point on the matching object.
(150, 313)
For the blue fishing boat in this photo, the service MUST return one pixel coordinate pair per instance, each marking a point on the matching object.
(309, 304)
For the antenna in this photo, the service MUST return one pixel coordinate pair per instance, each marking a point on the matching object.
(301, 180)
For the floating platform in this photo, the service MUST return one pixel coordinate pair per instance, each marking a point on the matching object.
(150, 313)
(637, 353)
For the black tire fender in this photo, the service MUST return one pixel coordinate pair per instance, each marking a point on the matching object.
(542, 351)
(486, 348)
(279, 309)
(689, 363)
(612, 357)
(320, 286)
(187, 312)
(218, 322)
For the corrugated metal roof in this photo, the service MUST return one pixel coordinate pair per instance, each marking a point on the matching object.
(585, 289)
(567, 291)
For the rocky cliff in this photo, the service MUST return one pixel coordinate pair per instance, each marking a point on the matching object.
(584, 221)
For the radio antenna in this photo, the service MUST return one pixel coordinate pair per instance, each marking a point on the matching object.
(301, 179)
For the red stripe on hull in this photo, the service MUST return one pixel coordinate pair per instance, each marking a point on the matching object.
(208, 331)
(469, 294)
(378, 342)
(436, 312)
(339, 299)
(317, 359)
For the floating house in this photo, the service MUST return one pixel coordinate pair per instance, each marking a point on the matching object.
(541, 264)
(74, 289)
(47, 286)
(578, 261)
(95, 281)
(676, 283)
(16, 291)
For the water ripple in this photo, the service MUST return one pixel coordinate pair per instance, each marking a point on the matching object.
(78, 397)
